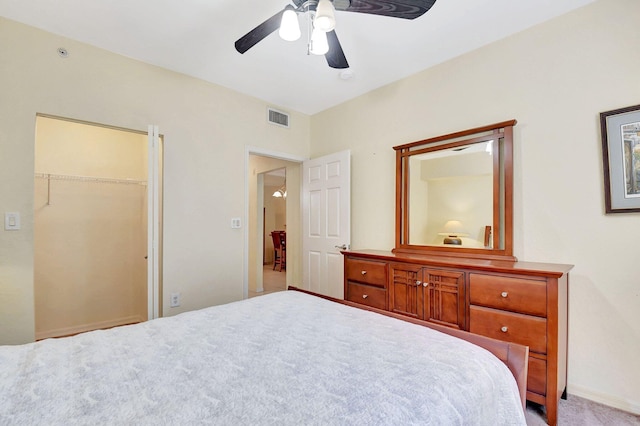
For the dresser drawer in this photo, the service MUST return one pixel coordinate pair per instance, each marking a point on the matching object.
(524, 329)
(537, 377)
(366, 271)
(367, 295)
(512, 294)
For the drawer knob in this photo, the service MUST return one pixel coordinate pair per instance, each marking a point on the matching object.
(425, 284)
(364, 296)
(504, 329)
(418, 283)
(504, 294)
(364, 272)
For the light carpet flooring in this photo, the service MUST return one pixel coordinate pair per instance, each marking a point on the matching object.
(574, 411)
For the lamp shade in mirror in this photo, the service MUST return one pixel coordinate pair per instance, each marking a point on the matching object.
(452, 232)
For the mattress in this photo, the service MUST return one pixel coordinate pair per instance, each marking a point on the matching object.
(285, 358)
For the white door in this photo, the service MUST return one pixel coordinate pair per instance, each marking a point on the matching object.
(326, 222)
(153, 224)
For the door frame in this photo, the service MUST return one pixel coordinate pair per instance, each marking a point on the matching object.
(154, 232)
(263, 152)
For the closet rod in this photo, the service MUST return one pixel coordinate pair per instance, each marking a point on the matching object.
(50, 176)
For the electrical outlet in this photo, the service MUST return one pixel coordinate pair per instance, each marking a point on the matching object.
(175, 300)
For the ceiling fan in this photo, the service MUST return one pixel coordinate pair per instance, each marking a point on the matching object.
(323, 39)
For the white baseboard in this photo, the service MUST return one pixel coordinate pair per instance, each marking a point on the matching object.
(621, 404)
(81, 328)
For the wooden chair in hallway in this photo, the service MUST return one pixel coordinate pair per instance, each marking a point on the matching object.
(280, 252)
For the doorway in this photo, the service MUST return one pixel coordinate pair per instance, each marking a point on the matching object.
(274, 231)
(90, 226)
(262, 182)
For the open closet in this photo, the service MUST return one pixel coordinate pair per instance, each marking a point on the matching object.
(90, 214)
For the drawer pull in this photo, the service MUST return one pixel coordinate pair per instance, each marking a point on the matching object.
(504, 329)
(418, 283)
(364, 296)
(364, 272)
(426, 284)
(504, 294)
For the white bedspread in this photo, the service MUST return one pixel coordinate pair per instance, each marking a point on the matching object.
(283, 359)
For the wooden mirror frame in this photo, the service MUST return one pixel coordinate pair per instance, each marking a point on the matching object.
(502, 226)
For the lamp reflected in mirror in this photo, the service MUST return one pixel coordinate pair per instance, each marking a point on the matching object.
(452, 232)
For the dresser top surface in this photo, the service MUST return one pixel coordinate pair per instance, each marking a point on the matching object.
(516, 267)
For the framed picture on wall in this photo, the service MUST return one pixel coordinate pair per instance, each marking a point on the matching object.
(620, 131)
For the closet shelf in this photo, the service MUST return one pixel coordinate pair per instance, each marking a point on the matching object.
(51, 176)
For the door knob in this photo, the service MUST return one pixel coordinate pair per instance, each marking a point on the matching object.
(342, 247)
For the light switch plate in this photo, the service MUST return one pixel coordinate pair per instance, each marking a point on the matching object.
(236, 223)
(11, 221)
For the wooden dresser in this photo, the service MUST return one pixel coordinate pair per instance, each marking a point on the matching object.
(514, 301)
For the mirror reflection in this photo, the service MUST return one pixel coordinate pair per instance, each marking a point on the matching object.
(454, 194)
(450, 198)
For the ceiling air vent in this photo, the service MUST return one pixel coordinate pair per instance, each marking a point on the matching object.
(278, 117)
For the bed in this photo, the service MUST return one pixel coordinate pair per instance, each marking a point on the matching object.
(287, 358)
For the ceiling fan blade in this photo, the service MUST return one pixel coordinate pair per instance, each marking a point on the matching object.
(406, 9)
(335, 56)
(257, 34)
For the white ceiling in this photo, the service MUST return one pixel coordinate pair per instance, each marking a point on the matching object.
(196, 37)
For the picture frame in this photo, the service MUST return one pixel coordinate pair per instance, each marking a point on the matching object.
(620, 131)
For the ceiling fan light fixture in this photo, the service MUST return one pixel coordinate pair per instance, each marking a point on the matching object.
(325, 19)
(289, 26)
(319, 45)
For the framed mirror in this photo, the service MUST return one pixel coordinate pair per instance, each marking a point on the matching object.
(454, 194)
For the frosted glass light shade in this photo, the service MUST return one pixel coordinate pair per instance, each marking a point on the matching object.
(289, 26)
(325, 19)
(319, 44)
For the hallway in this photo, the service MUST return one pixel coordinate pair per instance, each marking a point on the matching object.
(272, 281)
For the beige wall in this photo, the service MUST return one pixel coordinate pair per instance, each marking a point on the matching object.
(554, 79)
(206, 129)
(90, 238)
